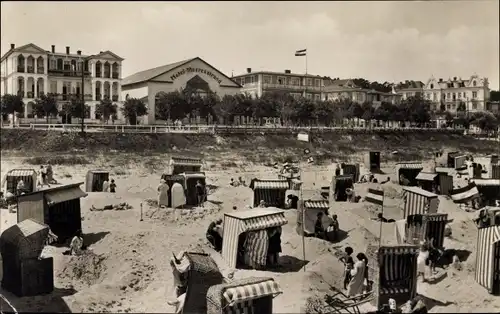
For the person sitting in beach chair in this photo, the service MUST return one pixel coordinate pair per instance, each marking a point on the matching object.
(319, 230)
(179, 271)
(214, 236)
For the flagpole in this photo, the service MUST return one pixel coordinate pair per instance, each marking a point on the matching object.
(303, 219)
(380, 231)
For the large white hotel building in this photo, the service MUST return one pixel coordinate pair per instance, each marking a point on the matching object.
(30, 71)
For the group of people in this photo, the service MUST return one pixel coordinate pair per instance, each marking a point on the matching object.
(324, 233)
(177, 195)
(355, 272)
(109, 186)
(46, 176)
(428, 256)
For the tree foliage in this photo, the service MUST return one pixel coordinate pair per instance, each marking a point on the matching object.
(134, 108)
(12, 104)
(302, 111)
(46, 106)
(106, 109)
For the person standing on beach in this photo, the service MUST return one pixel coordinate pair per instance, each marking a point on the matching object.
(112, 186)
(200, 193)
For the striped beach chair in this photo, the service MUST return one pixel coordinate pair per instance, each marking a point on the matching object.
(425, 227)
(417, 201)
(488, 259)
(395, 274)
(244, 296)
(272, 192)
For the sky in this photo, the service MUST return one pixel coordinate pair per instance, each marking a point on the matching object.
(377, 40)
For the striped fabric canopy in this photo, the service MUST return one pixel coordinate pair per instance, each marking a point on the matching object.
(316, 204)
(185, 161)
(403, 249)
(252, 291)
(465, 194)
(485, 256)
(410, 165)
(271, 184)
(21, 173)
(487, 182)
(264, 222)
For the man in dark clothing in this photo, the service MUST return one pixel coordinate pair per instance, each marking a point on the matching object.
(293, 200)
(319, 231)
(213, 235)
(349, 264)
(112, 186)
(200, 193)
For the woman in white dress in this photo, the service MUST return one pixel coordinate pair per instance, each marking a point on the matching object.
(422, 258)
(163, 193)
(355, 286)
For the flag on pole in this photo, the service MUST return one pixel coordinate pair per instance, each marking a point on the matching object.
(375, 197)
(300, 53)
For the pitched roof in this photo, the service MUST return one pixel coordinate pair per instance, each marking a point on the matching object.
(410, 85)
(108, 52)
(8, 53)
(147, 75)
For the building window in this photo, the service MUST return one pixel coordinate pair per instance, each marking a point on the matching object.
(309, 81)
(474, 95)
(281, 80)
(266, 79)
(432, 86)
(474, 106)
(454, 96)
(53, 64)
(448, 107)
(448, 95)
(317, 83)
(434, 96)
(474, 83)
(295, 81)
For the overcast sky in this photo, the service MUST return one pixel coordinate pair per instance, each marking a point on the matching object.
(384, 41)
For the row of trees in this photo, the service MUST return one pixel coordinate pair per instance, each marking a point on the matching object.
(298, 111)
(46, 106)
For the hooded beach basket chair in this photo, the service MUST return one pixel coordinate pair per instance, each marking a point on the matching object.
(249, 295)
(24, 272)
(394, 273)
(202, 274)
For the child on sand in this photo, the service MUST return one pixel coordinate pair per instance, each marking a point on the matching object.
(112, 186)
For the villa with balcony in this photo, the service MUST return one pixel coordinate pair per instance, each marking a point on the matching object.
(30, 71)
(257, 83)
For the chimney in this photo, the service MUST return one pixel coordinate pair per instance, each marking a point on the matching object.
(249, 70)
(79, 52)
(12, 46)
(67, 50)
(454, 78)
(288, 71)
(53, 48)
(440, 80)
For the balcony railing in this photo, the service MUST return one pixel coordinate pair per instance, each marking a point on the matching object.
(30, 94)
(40, 70)
(86, 97)
(115, 98)
(292, 87)
(40, 94)
(115, 75)
(31, 69)
(20, 68)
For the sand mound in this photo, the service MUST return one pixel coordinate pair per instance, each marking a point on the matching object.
(325, 271)
(86, 268)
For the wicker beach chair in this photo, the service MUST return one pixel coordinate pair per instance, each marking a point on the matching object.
(203, 273)
(248, 295)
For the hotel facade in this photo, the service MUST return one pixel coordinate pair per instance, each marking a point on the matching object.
(31, 71)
